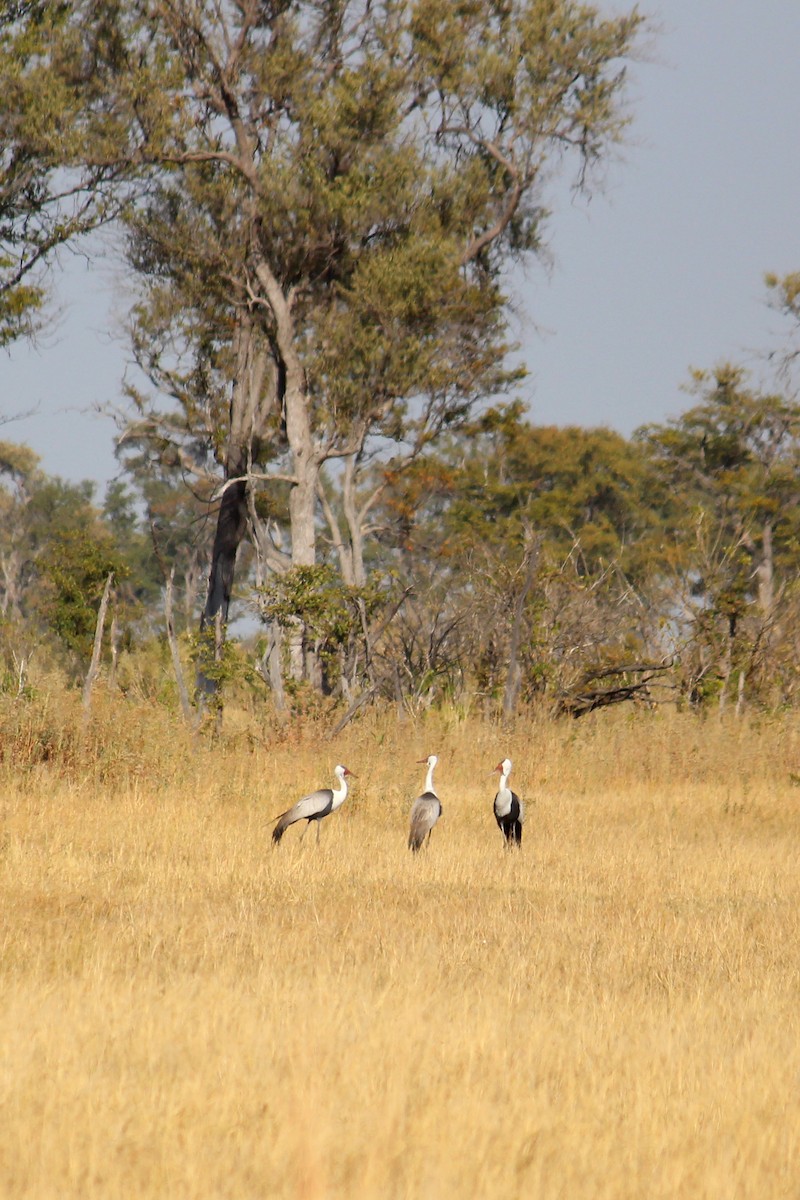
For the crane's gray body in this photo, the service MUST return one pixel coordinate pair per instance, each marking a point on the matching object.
(314, 806)
(425, 811)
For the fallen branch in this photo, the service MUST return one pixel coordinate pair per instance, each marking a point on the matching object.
(358, 703)
(585, 700)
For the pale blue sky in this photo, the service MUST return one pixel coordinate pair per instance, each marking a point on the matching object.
(661, 271)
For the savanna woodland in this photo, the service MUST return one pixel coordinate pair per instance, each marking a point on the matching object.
(318, 208)
(337, 536)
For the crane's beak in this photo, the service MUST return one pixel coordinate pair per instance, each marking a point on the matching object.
(350, 773)
(422, 760)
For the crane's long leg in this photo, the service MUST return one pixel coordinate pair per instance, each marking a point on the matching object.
(318, 825)
(305, 831)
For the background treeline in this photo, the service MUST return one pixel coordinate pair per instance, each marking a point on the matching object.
(315, 208)
(513, 564)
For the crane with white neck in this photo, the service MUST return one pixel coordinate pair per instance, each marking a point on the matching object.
(509, 809)
(315, 806)
(426, 809)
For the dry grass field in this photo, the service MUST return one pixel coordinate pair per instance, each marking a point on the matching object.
(613, 1012)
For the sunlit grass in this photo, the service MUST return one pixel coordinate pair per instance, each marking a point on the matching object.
(612, 1012)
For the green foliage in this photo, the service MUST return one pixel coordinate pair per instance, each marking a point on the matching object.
(732, 461)
(19, 306)
(785, 297)
(322, 204)
(132, 541)
(52, 188)
(74, 568)
(17, 462)
(728, 469)
(316, 597)
(587, 492)
(56, 551)
(222, 664)
(329, 615)
(335, 194)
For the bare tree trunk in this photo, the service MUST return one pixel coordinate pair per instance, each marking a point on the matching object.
(114, 635)
(272, 667)
(354, 521)
(302, 512)
(183, 694)
(231, 526)
(343, 551)
(250, 407)
(530, 562)
(269, 558)
(362, 612)
(400, 708)
(765, 573)
(351, 556)
(94, 665)
(740, 694)
(727, 666)
(306, 456)
(353, 709)
(193, 579)
(312, 664)
(302, 655)
(297, 421)
(21, 664)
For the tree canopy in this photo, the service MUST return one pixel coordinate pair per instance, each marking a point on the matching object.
(336, 191)
(55, 185)
(319, 205)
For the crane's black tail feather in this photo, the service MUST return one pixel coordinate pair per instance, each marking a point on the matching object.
(511, 831)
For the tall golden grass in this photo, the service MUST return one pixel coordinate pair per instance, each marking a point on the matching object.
(186, 1012)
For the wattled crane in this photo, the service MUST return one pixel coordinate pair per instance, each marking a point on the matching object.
(509, 810)
(314, 806)
(426, 809)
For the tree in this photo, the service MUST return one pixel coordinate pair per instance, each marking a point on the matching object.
(532, 551)
(74, 569)
(36, 508)
(53, 190)
(730, 465)
(336, 190)
(785, 298)
(57, 548)
(18, 471)
(586, 491)
(736, 454)
(161, 519)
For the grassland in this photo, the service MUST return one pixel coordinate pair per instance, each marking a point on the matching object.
(613, 1012)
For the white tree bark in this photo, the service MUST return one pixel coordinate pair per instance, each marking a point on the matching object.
(94, 665)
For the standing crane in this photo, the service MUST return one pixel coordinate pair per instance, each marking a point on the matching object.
(426, 809)
(509, 810)
(314, 806)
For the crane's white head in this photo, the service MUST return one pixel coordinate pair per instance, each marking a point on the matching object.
(430, 761)
(343, 772)
(504, 767)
